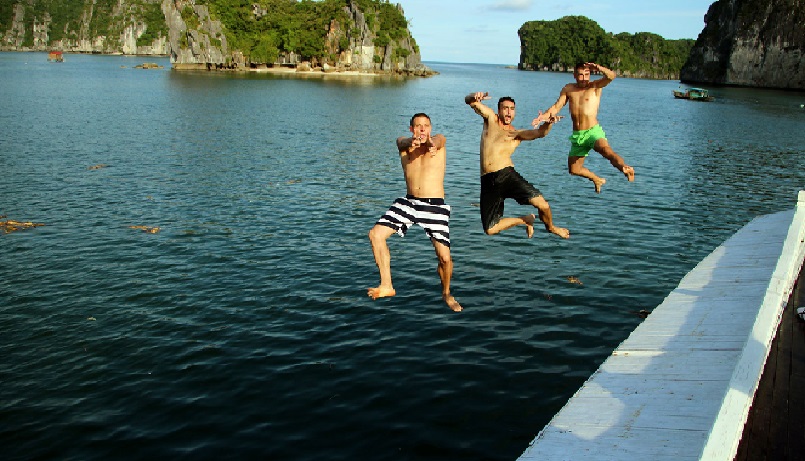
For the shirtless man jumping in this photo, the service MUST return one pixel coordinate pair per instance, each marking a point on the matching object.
(423, 159)
(499, 180)
(584, 97)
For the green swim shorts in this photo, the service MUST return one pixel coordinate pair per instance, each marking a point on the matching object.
(582, 141)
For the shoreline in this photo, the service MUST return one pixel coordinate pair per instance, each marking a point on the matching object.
(315, 72)
(275, 69)
(307, 72)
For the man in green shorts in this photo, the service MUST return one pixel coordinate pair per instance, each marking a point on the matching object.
(584, 97)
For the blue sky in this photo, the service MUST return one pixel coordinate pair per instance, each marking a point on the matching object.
(485, 31)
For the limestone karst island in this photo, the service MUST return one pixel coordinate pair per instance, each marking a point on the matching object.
(368, 36)
(753, 43)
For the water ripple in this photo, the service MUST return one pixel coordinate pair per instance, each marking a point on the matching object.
(242, 328)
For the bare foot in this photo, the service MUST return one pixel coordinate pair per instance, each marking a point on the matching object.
(629, 172)
(598, 183)
(560, 231)
(529, 224)
(380, 292)
(452, 303)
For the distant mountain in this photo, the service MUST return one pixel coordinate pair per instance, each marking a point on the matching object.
(558, 45)
(756, 43)
(364, 35)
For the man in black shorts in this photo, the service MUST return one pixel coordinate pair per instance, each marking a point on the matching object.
(499, 180)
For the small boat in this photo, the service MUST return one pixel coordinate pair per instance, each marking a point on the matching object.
(55, 56)
(694, 94)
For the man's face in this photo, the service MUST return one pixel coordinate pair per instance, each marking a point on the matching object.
(421, 128)
(582, 76)
(506, 112)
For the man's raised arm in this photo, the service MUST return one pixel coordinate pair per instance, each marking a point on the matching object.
(475, 100)
(609, 75)
(550, 113)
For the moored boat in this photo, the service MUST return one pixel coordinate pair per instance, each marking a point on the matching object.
(55, 56)
(695, 94)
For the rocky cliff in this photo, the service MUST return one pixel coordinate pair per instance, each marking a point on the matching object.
(755, 43)
(202, 43)
(399, 55)
(85, 28)
(193, 38)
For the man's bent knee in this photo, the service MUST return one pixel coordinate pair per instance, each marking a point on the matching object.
(575, 168)
(489, 227)
(379, 232)
(445, 260)
(540, 202)
(491, 230)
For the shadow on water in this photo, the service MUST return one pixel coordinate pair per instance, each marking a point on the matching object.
(243, 326)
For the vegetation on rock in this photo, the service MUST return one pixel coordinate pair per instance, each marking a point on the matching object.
(261, 31)
(65, 18)
(558, 45)
(265, 29)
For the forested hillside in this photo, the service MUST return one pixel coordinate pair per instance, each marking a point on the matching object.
(265, 29)
(369, 34)
(559, 45)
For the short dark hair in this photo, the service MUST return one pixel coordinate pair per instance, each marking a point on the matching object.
(504, 99)
(579, 65)
(417, 115)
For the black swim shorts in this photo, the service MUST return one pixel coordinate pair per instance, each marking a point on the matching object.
(498, 186)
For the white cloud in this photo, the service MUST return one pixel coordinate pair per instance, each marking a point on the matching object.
(513, 5)
(481, 29)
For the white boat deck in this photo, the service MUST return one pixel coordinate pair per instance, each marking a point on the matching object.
(680, 387)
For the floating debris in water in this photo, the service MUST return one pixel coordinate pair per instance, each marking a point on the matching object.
(149, 229)
(90, 318)
(573, 279)
(10, 225)
(642, 313)
(98, 166)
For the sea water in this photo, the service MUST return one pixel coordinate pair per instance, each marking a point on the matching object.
(242, 329)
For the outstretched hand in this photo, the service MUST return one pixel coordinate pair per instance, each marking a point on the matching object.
(418, 141)
(545, 117)
(423, 141)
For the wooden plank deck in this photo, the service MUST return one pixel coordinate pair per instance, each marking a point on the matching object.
(680, 387)
(775, 430)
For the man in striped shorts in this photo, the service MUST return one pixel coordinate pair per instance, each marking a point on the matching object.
(423, 158)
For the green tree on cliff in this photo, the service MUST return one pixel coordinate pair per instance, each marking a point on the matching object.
(299, 26)
(107, 17)
(261, 29)
(560, 44)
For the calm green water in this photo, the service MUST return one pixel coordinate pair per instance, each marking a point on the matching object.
(242, 329)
